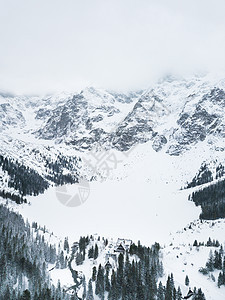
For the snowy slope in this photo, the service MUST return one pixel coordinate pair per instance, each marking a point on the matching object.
(181, 258)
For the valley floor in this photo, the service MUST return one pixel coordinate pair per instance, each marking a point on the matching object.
(140, 200)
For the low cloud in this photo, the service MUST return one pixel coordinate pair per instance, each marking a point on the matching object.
(53, 45)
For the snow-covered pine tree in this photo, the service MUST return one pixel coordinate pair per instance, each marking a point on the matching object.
(187, 281)
(90, 295)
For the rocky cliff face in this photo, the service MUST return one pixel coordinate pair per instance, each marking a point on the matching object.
(173, 116)
(204, 121)
(10, 117)
(87, 119)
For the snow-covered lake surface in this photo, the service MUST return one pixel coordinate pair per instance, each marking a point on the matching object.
(141, 200)
(134, 210)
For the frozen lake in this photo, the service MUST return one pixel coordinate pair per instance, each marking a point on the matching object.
(141, 200)
(136, 210)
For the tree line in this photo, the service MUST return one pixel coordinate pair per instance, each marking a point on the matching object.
(26, 181)
(212, 200)
(204, 175)
(23, 179)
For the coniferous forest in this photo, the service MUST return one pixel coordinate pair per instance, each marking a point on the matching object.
(25, 257)
(212, 200)
(26, 181)
(204, 175)
(215, 262)
(24, 261)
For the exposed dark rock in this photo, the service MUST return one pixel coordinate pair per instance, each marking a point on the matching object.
(158, 142)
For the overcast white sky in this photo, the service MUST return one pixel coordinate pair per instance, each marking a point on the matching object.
(52, 45)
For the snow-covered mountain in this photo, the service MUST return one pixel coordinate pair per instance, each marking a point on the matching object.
(174, 113)
(137, 157)
(175, 117)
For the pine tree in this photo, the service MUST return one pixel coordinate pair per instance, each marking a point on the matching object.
(83, 255)
(66, 245)
(100, 288)
(210, 262)
(94, 273)
(120, 273)
(140, 290)
(62, 260)
(187, 281)
(90, 295)
(79, 258)
(217, 260)
(220, 279)
(96, 252)
(91, 252)
(195, 244)
(107, 282)
(58, 290)
(169, 288)
(161, 292)
(113, 293)
(84, 289)
(179, 294)
(174, 294)
(199, 295)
